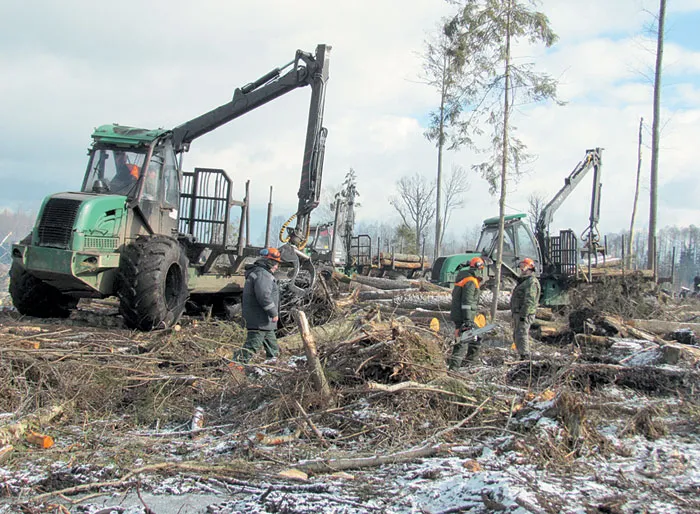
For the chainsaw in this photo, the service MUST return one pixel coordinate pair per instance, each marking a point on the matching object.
(469, 335)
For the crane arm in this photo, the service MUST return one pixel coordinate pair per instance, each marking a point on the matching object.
(304, 70)
(592, 160)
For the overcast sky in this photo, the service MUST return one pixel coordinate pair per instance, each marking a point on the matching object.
(72, 65)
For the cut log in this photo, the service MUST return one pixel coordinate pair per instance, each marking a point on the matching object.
(616, 324)
(583, 340)
(356, 286)
(379, 294)
(651, 379)
(424, 285)
(16, 431)
(639, 334)
(544, 328)
(659, 327)
(486, 298)
(673, 352)
(431, 301)
(383, 283)
(340, 277)
(313, 362)
(550, 324)
(404, 257)
(544, 313)
(543, 331)
(414, 313)
(386, 263)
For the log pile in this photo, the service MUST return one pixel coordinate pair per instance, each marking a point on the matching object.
(419, 300)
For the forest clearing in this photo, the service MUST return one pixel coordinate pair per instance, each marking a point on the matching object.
(602, 419)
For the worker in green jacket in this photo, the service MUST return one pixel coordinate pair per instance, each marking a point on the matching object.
(523, 306)
(464, 308)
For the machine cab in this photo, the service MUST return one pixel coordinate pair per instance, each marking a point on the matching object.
(147, 175)
(518, 241)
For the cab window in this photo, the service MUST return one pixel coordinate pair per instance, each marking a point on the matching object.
(526, 244)
(171, 178)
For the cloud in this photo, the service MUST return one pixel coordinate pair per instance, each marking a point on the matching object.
(70, 66)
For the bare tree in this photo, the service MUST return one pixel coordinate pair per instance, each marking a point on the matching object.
(536, 202)
(414, 202)
(651, 254)
(636, 195)
(457, 184)
(443, 66)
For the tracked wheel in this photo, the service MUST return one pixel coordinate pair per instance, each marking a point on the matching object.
(152, 283)
(34, 297)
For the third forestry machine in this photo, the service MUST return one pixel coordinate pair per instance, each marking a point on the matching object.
(556, 257)
(150, 233)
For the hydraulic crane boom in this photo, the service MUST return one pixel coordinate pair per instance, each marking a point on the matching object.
(592, 159)
(306, 70)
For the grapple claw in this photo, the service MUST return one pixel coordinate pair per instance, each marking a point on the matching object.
(292, 255)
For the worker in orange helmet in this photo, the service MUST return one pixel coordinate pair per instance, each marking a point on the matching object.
(464, 308)
(523, 306)
(126, 174)
(261, 300)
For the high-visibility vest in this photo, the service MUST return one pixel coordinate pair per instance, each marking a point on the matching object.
(456, 314)
(464, 281)
(134, 170)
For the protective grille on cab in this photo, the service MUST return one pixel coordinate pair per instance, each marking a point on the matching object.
(56, 225)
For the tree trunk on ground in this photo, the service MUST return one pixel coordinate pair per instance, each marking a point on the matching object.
(331, 465)
(659, 327)
(420, 301)
(380, 294)
(384, 283)
(414, 313)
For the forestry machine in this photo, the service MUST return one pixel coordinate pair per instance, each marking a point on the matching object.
(150, 233)
(556, 257)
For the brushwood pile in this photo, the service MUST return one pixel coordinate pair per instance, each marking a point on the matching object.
(603, 418)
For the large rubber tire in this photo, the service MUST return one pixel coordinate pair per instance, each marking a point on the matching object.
(152, 283)
(34, 297)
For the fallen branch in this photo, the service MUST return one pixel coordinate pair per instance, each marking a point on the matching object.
(313, 362)
(126, 479)
(330, 465)
(311, 424)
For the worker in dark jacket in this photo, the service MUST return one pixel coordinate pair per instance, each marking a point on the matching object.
(261, 306)
(464, 308)
(523, 306)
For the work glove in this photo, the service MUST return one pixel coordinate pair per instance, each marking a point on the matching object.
(468, 325)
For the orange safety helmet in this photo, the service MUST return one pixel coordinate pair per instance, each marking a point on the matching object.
(477, 263)
(527, 263)
(134, 170)
(272, 254)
